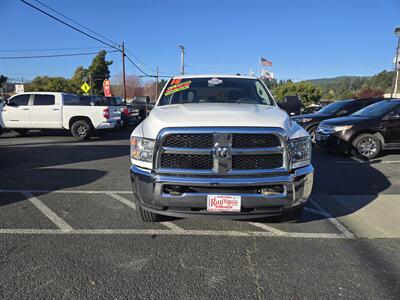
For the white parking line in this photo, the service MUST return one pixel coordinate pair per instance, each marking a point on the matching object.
(172, 226)
(267, 228)
(173, 232)
(51, 215)
(122, 200)
(333, 220)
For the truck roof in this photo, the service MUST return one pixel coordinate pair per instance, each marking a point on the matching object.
(215, 75)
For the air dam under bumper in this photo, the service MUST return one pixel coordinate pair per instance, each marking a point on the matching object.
(152, 191)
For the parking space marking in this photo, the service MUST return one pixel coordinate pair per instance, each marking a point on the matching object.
(122, 200)
(51, 215)
(173, 229)
(333, 220)
(267, 228)
(172, 226)
(173, 232)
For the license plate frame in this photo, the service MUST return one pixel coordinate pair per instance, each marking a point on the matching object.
(224, 203)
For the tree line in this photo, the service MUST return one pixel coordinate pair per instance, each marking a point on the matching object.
(310, 91)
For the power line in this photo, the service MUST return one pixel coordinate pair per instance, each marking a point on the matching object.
(69, 25)
(80, 31)
(53, 55)
(49, 49)
(76, 23)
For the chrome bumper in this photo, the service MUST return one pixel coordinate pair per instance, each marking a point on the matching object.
(148, 187)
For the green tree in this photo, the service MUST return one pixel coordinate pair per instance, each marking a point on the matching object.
(49, 84)
(80, 75)
(307, 92)
(3, 80)
(98, 71)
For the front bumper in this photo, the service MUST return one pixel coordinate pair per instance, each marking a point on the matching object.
(332, 141)
(150, 190)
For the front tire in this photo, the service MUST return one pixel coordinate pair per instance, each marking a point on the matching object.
(21, 132)
(81, 130)
(144, 215)
(367, 146)
(294, 215)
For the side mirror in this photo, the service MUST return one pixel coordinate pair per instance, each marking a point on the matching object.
(391, 117)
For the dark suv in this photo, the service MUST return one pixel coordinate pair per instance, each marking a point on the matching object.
(366, 132)
(341, 108)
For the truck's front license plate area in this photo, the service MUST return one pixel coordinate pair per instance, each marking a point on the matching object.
(221, 203)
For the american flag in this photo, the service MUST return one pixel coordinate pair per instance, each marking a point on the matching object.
(265, 62)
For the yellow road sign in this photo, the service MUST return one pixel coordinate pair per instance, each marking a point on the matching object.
(85, 87)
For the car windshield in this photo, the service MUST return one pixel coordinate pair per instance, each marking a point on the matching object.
(216, 90)
(332, 108)
(377, 109)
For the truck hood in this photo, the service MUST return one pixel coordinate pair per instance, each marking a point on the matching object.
(217, 115)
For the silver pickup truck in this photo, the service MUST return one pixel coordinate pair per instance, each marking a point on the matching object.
(219, 146)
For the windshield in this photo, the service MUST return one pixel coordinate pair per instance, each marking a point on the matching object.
(215, 90)
(332, 108)
(377, 109)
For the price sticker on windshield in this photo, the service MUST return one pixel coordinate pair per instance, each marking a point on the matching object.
(177, 87)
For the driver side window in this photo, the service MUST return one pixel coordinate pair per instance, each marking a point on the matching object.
(21, 100)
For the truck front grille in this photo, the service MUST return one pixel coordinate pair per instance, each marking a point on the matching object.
(189, 141)
(255, 141)
(257, 162)
(245, 150)
(181, 161)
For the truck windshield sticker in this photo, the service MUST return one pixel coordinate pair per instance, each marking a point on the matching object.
(180, 86)
(214, 81)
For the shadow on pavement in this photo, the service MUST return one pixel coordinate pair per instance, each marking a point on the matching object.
(29, 167)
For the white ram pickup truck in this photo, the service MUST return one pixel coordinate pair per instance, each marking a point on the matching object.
(47, 110)
(219, 146)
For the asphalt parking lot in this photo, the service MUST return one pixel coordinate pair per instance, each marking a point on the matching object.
(69, 229)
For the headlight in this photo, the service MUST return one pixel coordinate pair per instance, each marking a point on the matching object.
(342, 128)
(142, 149)
(332, 129)
(300, 150)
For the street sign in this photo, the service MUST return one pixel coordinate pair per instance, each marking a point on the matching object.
(85, 87)
(19, 88)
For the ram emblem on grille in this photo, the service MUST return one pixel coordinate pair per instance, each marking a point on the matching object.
(222, 152)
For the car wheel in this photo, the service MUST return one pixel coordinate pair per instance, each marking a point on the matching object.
(21, 132)
(146, 216)
(81, 130)
(367, 146)
(312, 131)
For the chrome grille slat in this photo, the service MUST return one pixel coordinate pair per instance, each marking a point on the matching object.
(264, 150)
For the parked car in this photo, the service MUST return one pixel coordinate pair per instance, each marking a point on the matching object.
(341, 108)
(48, 110)
(366, 132)
(117, 102)
(219, 146)
(311, 109)
(140, 108)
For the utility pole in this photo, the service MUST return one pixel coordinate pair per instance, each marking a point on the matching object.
(156, 83)
(182, 59)
(123, 70)
(397, 65)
